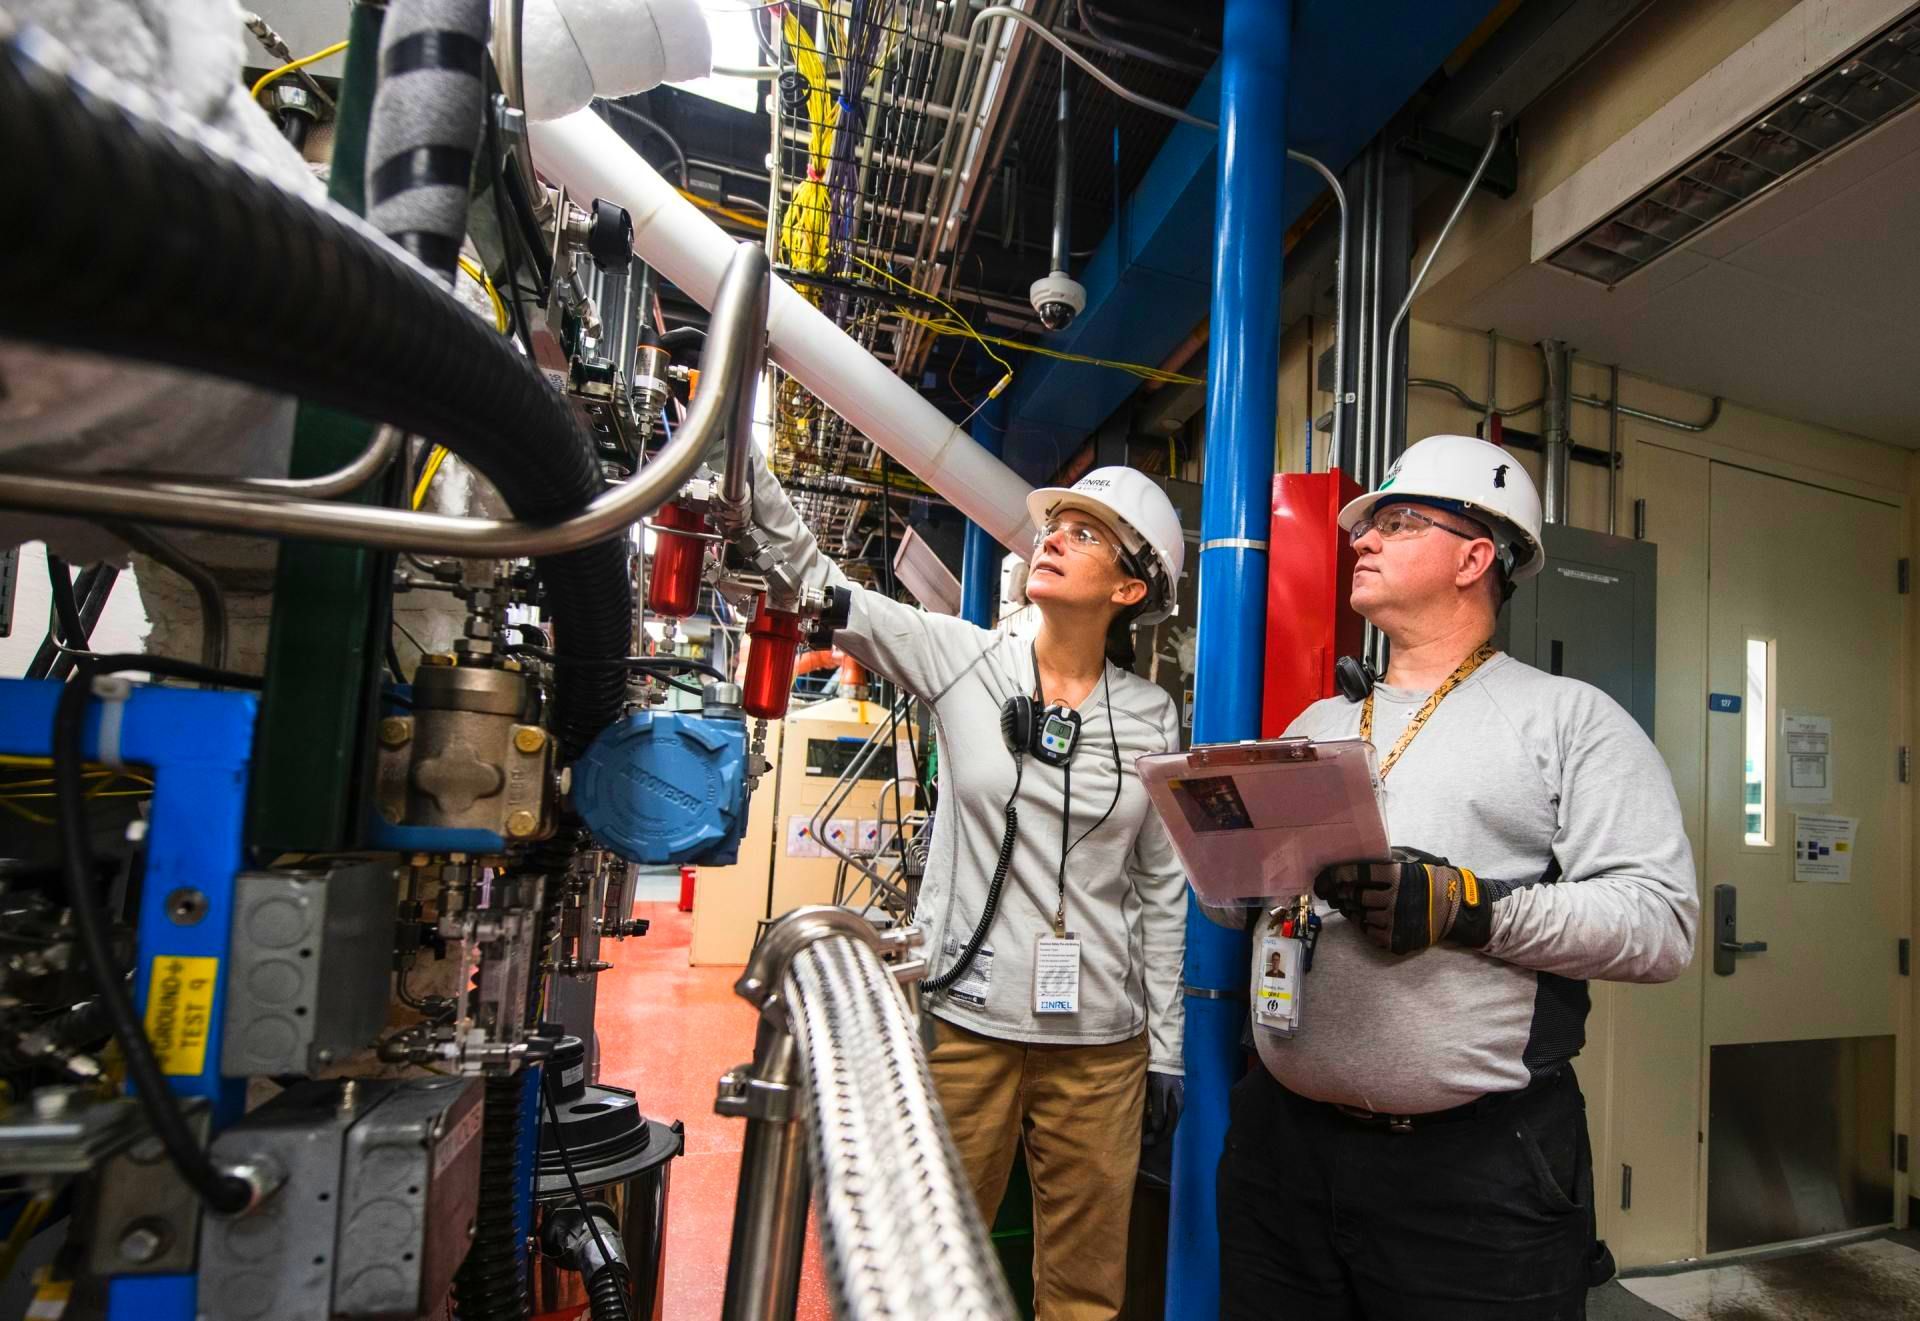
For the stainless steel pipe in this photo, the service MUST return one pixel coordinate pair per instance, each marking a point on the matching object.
(738, 328)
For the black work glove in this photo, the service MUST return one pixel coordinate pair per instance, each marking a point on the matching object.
(1166, 1097)
(1414, 902)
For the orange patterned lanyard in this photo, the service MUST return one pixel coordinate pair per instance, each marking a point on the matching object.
(1481, 656)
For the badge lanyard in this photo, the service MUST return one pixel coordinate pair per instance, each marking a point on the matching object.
(1481, 656)
(1286, 952)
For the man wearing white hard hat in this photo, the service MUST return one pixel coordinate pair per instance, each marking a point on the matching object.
(1054, 908)
(1418, 1147)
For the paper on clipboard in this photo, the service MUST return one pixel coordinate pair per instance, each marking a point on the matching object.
(1255, 822)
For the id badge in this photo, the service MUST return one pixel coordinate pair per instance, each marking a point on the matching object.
(1056, 975)
(1278, 996)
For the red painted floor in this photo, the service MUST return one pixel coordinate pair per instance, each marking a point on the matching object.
(669, 1031)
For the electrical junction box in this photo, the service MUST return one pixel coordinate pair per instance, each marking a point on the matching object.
(664, 788)
(311, 969)
(409, 1195)
(373, 1217)
(1589, 614)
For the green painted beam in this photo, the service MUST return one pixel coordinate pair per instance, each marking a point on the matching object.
(327, 638)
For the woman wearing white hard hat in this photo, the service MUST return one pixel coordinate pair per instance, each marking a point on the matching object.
(1054, 908)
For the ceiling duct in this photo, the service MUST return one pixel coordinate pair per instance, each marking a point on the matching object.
(1845, 99)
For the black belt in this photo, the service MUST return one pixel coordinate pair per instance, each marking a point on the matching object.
(1477, 1108)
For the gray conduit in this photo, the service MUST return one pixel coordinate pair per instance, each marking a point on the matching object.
(1468, 401)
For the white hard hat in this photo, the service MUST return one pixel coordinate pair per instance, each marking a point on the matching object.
(1481, 480)
(1140, 513)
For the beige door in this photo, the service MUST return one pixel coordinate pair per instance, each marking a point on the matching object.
(1805, 626)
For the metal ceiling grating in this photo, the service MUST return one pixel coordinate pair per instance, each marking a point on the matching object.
(1855, 94)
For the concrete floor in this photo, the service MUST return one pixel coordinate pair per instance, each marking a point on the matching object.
(669, 1031)
(1612, 1302)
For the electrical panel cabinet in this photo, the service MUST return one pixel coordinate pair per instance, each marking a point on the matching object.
(1590, 615)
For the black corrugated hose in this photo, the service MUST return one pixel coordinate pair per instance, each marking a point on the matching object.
(491, 1284)
(123, 235)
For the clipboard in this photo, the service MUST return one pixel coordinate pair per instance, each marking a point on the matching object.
(1253, 823)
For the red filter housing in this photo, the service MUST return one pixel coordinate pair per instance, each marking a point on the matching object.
(1309, 574)
(769, 682)
(674, 586)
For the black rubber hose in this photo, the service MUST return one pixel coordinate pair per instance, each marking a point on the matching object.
(66, 609)
(607, 1291)
(94, 585)
(227, 273)
(491, 1285)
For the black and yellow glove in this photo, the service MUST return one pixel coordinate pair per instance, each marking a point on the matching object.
(1414, 902)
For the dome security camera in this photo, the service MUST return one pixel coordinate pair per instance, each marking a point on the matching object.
(1058, 298)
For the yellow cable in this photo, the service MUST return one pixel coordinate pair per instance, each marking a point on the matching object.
(805, 226)
(1139, 369)
(300, 63)
(435, 457)
(740, 217)
(473, 268)
(966, 325)
(24, 1229)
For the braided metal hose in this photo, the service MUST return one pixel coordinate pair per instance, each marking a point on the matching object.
(899, 1229)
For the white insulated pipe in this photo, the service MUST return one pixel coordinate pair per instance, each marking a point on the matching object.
(585, 156)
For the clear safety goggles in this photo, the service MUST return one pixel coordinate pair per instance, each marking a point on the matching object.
(1078, 536)
(1397, 523)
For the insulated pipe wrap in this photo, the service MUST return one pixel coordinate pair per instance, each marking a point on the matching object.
(583, 153)
(426, 125)
(228, 273)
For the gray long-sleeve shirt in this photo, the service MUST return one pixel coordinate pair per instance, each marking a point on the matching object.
(1516, 769)
(1126, 894)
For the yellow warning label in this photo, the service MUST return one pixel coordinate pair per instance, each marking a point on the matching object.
(180, 1011)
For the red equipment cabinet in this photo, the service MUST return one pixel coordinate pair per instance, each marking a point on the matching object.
(1309, 573)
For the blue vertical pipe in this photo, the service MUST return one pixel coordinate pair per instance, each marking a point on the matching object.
(1243, 400)
(980, 556)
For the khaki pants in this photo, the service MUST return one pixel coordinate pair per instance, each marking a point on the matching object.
(1077, 1111)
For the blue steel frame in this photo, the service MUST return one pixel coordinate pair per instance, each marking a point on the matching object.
(980, 553)
(197, 746)
(1243, 398)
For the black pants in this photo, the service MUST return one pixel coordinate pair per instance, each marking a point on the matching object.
(1326, 1218)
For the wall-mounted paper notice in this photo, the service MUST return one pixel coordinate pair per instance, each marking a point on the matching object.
(1808, 744)
(1823, 848)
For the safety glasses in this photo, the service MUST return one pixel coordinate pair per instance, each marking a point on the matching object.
(1398, 523)
(1078, 537)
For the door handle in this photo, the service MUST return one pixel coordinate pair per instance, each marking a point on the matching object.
(1727, 945)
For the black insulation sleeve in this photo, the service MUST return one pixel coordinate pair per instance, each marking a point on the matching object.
(227, 273)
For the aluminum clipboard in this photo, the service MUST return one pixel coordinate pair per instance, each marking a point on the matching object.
(1253, 823)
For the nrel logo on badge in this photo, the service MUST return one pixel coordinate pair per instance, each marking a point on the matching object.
(1723, 703)
(1055, 1005)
